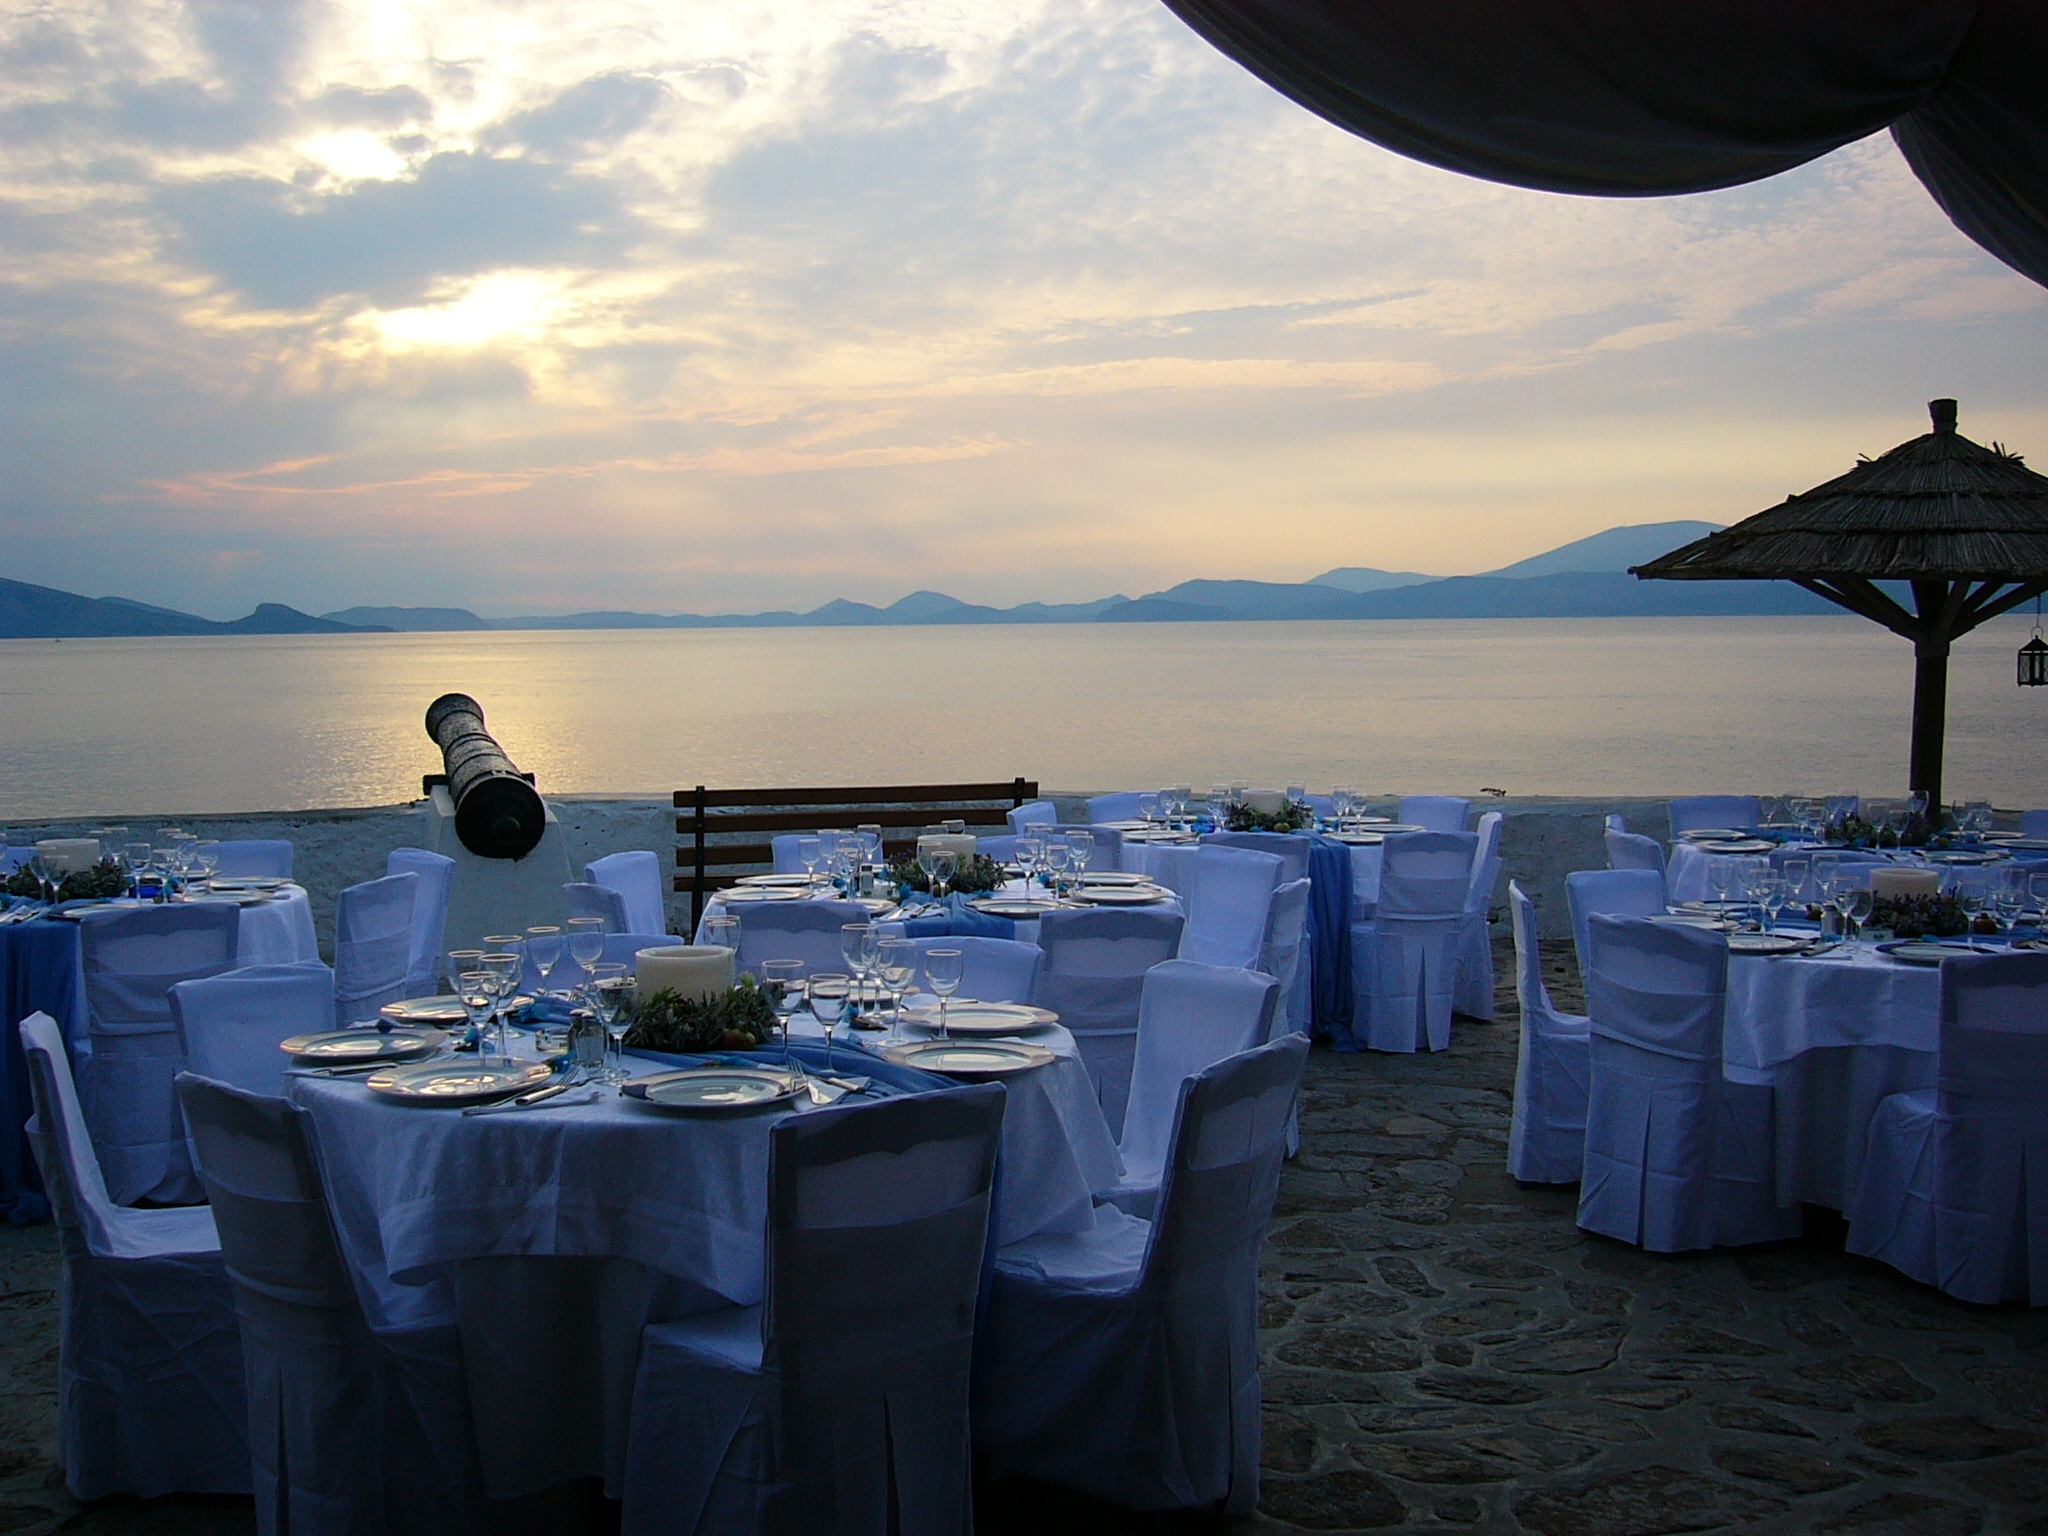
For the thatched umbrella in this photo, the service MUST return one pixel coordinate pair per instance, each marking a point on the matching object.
(1965, 525)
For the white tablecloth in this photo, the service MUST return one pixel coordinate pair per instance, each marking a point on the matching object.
(1686, 871)
(278, 932)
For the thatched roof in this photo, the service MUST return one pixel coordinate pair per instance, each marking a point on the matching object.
(1939, 506)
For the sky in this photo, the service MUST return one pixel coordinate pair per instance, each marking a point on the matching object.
(533, 307)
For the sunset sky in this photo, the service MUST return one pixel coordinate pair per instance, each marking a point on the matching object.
(532, 307)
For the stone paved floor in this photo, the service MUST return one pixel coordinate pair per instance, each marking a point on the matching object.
(1446, 1352)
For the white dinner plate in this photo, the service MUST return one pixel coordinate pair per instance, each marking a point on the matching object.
(743, 895)
(248, 883)
(1933, 951)
(716, 1090)
(1728, 904)
(967, 1017)
(1737, 845)
(1123, 895)
(1113, 877)
(978, 1059)
(792, 882)
(329, 1047)
(226, 899)
(1360, 839)
(1766, 944)
(445, 1009)
(452, 1083)
(1963, 856)
(1686, 919)
(1394, 827)
(1017, 906)
(1714, 835)
(1171, 839)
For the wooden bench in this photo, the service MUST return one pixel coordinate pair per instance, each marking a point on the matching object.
(722, 834)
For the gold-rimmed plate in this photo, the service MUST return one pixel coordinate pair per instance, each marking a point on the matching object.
(973, 1060)
(1017, 906)
(715, 1090)
(967, 1017)
(337, 1047)
(1123, 895)
(452, 1083)
(445, 1009)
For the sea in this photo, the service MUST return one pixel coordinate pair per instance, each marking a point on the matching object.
(1582, 708)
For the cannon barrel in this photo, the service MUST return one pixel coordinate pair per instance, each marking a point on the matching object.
(498, 812)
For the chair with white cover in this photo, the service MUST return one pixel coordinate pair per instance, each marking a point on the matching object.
(2034, 823)
(1616, 892)
(1190, 1016)
(337, 1447)
(1034, 816)
(637, 877)
(783, 849)
(1404, 957)
(808, 931)
(1122, 806)
(1738, 813)
(1106, 844)
(1172, 865)
(992, 970)
(1472, 992)
(230, 1025)
(1285, 954)
(149, 1359)
(1677, 1157)
(372, 946)
(1092, 974)
(598, 901)
(1125, 1362)
(1001, 847)
(436, 874)
(827, 1407)
(267, 858)
(1231, 907)
(1435, 813)
(1547, 1132)
(1291, 848)
(1630, 850)
(1954, 1188)
(132, 957)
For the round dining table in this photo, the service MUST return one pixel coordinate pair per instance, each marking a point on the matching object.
(550, 1237)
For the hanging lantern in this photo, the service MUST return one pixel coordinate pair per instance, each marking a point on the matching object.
(2034, 656)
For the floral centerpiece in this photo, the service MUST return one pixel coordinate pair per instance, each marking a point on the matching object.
(1920, 917)
(103, 880)
(1294, 816)
(1854, 831)
(737, 1019)
(978, 874)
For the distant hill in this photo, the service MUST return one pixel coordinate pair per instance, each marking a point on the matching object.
(1363, 578)
(409, 620)
(29, 612)
(1584, 595)
(1255, 599)
(1615, 550)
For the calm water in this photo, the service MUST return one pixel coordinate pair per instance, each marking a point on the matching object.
(1591, 707)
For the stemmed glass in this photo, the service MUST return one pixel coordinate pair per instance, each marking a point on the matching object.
(783, 981)
(1219, 805)
(2037, 888)
(1856, 903)
(607, 989)
(460, 963)
(1825, 867)
(544, 949)
(477, 991)
(1080, 851)
(945, 864)
(723, 930)
(927, 854)
(857, 949)
(586, 942)
(1027, 853)
(1055, 865)
(1795, 880)
(1720, 870)
(1770, 893)
(808, 852)
(206, 857)
(896, 965)
(136, 857)
(1340, 803)
(1148, 808)
(944, 970)
(505, 956)
(1831, 889)
(829, 992)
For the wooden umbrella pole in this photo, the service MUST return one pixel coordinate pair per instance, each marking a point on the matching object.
(1930, 717)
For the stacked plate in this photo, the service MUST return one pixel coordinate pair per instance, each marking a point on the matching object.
(780, 882)
(744, 895)
(1766, 944)
(966, 1017)
(973, 1060)
(1933, 951)
(452, 1084)
(1735, 845)
(1016, 906)
(1714, 835)
(360, 1047)
(1143, 895)
(715, 1090)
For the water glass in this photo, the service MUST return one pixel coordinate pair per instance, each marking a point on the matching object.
(2037, 888)
(1720, 871)
(477, 992)
(586, 942)
(1795, 881)
(1080, 851)
(1825, 867)
(1770, 893)
(829, 992)
(783, 981)
(723, 929)
(1027, 855)
(459, 962)
(1857, 902)
(896, 966)
(544, 949)
(609, 987)
(809, 850)
(945, 865)
(944, 970)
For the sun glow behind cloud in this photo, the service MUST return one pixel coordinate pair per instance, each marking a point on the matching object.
(853, 297)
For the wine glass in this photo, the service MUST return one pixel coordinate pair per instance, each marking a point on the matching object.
(927, 852)
(1829, 890)
(1056, 853)
(2037, 889)
(1720, 870)
(1770, 892)
(896, 965)
(723, 930)
(1858, 903)
(1219, 804)
(544, 950)
(1340, 803)
(944, 970)
(206, 857)
(136, 857)
(1825, 867)
(945, 864)
(1027, 854)
(478, 994)
(1148, 808)
(504, 967)
(828, 996)
(1795, 880)
(586, 942)
(460, 962)
(809, 850)
(783, 981)
(2010, 895)
(608, 988)
(857, 948)
(1080, 851)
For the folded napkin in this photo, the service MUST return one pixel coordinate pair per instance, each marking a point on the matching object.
(544, 1013)
(958, 920)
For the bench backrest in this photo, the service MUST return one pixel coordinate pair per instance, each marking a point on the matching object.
(722, 834)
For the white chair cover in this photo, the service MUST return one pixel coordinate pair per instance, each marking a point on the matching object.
(1125, 1362)
(637, 877)
(1190, 1017)
(783, 848)
(1677, 1157)
(1472, 991)
(1435, 813)
(993, 970)
(1173, 865)
(1547, 1133)
(1403, 958)
(372, 946)
(599, 901)
(840, 1404)
(1092, 974)
(794, 930)
(429, 916)
(1035, 814)
(132, 958)
(1002, 847)
(1231, 905)
(1291, 848)
(229, 1026)
(1284, 954)
(1954, 1190)
(2034, 823)
(149, 1362)
(1122, 806)
(1628, 850)
(1615, 892)
(337, 1449)
(268, 858)
(1741, 812)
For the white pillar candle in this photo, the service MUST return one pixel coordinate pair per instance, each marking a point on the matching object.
(1267, 802)
(961, 847)
(689, 970)
(69, 855)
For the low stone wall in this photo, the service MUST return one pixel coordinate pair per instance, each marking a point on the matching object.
(1542, 840)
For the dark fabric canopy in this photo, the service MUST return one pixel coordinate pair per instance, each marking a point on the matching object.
(1625, 98)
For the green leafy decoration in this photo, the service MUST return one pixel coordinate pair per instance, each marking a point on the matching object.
(978, 874)
(737, 1019)
(1294, 816)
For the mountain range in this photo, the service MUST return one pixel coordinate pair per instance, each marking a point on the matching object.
(1584, 579)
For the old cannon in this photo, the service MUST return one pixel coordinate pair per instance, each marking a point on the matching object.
(498, 812)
